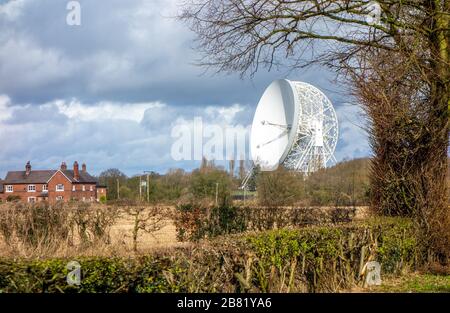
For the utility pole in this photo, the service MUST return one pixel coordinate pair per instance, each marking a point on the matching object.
(148, 185)
(140, 188)
(217, 192)
(148, 189)
(353, 189)
(118, 189)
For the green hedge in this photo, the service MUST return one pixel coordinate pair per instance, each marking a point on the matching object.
(196, 222)
(312, 259)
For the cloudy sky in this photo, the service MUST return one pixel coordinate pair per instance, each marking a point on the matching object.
(109, 92)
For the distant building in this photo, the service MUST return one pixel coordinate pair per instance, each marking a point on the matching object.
(51, 185)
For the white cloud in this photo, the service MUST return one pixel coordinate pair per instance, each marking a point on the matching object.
(5, 110)
(104, 110)
(130, 136)
(225, 114)
(11, 9)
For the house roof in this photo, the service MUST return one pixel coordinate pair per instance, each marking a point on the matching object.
(85, 177)
(42, 177)
(35, 177)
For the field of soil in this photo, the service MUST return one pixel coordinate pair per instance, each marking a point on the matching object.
(121, 235)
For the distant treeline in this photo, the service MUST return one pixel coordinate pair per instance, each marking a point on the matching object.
(346, 183)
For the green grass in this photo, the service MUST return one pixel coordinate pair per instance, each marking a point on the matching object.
(415, 283)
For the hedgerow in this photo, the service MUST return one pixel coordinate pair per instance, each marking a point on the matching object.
(310, 259)
(194, 222)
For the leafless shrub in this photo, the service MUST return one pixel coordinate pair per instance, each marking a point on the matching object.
(35, 225)
(93, 224)
(146, 219)
(194, 223)
(280, 188)
(437, 268)
(44, 228)
(81, 221)
(102, 220)
(6, 224)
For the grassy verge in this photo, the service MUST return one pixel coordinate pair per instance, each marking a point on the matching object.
(414, 282)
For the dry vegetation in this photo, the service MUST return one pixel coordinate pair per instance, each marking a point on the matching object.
(309, 259)
(83, 230)
(134, 248)
(80, 229)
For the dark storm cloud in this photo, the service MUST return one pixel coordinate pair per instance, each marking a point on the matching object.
(109, 91)
(123, 51)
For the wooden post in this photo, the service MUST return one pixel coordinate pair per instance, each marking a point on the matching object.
(217, 192)
(148, 189)
(140, 188)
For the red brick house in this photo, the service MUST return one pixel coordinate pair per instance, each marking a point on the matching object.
(51, 185)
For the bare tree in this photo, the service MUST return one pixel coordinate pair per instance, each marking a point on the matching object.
(405, 170)
(146, 219)
(279, 188)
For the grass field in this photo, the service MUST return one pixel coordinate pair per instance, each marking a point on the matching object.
(412, 283)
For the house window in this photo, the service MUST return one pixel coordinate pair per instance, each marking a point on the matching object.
(91, 188)
(45, 187)
(60, 187)
(59, 198)
(92, 199)
(31, 199)
(74, 188)
(31, 188)
(84, 188)
(84, 199)
(9, 188)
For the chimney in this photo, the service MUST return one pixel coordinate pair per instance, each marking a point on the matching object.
(83, 168)
(76, 173)
(63, 166)
(28, 168)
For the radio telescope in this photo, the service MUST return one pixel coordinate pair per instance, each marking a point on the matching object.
(295, 125)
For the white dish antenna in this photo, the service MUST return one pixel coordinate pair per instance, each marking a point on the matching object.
(295, 125)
